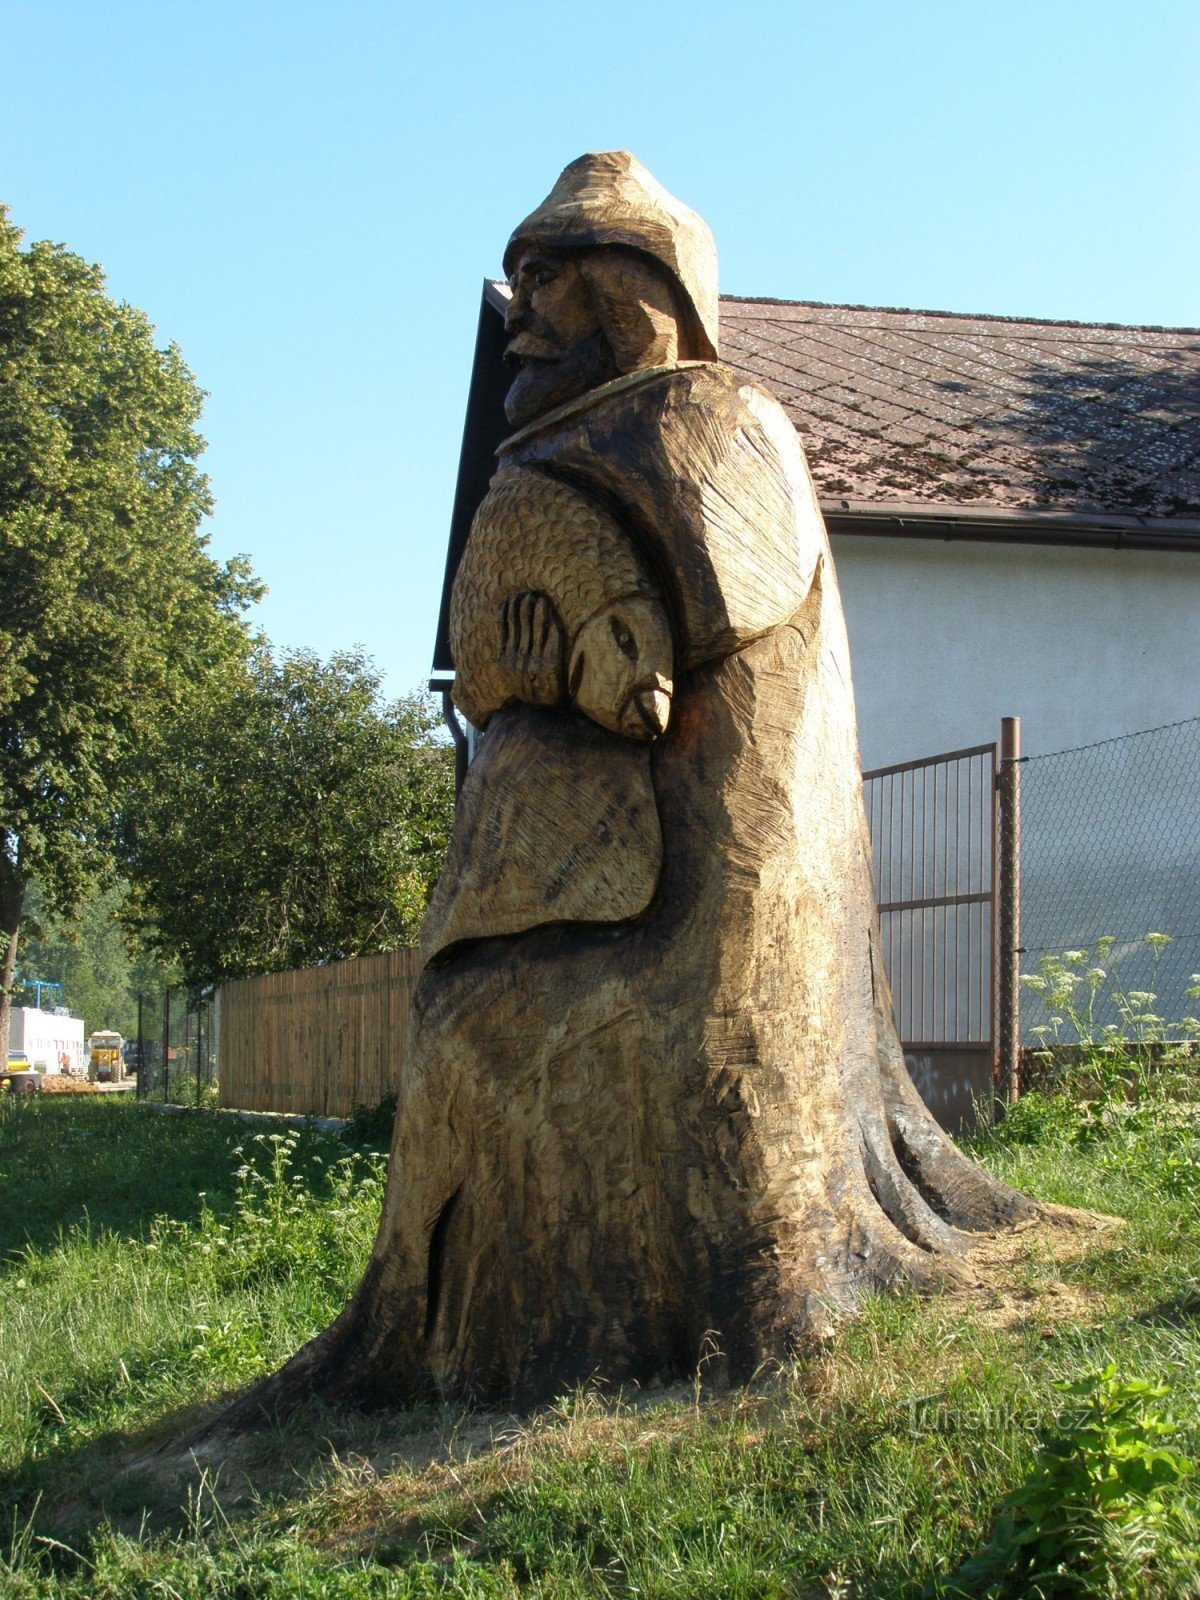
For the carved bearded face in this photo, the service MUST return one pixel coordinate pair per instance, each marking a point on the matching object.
(558, 347)
(581, 317)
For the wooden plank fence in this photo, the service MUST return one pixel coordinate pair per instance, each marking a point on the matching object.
(319, 1041)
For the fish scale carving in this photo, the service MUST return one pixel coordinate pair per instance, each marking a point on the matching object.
(533, 533)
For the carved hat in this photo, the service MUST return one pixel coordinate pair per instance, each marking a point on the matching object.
(609, 198)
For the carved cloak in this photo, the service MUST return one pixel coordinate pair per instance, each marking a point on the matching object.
(711, 492)
(677, 1119)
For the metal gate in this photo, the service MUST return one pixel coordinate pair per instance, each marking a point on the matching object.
(941, 831)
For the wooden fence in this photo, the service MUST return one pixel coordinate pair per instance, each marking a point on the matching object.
(320, 1041)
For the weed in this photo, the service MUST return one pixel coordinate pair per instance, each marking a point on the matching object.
(372, 1125)
(870, 1468)
(1077, 986)
(1094, 1514)
(285, 1222)
(107, 1327)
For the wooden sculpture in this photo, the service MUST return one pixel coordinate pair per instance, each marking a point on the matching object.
(654, 1099)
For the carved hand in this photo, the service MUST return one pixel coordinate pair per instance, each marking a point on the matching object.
(531, 648)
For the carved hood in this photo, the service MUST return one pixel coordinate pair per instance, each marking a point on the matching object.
(609, 198)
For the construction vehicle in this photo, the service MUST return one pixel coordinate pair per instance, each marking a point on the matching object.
(20, 1076)
(104, 1057)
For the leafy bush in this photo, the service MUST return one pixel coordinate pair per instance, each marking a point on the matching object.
(372, 1125)
(1037, 1118)
(1094, 1514)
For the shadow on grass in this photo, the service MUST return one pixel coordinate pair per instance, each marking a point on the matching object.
(144, 1481)
(70, 1160)
(539, 1521)
(1178, 1311)
(569, 1495)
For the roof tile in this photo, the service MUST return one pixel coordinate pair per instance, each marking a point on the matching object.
(930, 407)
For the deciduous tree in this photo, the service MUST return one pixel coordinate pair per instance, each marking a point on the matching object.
(90, 954)
(112, 611)
(294, 817)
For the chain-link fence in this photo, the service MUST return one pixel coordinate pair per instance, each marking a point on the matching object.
(177, 1047)
(1110, 851)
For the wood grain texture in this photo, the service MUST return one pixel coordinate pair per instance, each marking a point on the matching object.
(653, 1096)
(608, 200)
(538, 839)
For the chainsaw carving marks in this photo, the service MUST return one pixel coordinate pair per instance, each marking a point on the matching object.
(654, 1095)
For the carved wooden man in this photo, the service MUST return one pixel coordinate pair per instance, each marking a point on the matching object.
(654, 1095)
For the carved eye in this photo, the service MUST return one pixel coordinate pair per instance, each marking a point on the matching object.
(625, 640)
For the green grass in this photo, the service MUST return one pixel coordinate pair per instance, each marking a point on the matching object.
(872, 1469)
(193, 1254)
(67, 1160)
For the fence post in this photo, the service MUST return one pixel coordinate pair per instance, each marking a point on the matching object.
(1008, 781)
(141, 1054)
(166, 1042)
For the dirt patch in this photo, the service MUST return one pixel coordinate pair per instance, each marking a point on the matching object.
(1021, 1271)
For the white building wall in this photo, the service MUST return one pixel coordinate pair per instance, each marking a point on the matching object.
(1083, 645)
(946, 637)
(43, 1037)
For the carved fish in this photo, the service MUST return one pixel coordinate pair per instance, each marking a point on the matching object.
(535, 534)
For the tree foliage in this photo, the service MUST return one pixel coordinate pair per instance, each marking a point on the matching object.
(111, 609)
(91, 956)
(294, 818)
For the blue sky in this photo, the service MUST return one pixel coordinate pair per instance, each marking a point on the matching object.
(306, 196)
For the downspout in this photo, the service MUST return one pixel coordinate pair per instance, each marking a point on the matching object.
(462, 753)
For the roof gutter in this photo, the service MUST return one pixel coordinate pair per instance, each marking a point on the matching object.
(995, 525)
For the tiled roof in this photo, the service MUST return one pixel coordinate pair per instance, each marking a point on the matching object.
(928, 409)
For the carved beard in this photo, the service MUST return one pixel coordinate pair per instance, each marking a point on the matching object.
(540, 385)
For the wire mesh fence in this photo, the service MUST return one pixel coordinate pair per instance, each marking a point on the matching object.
(176, 1052)
(1110, 854)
